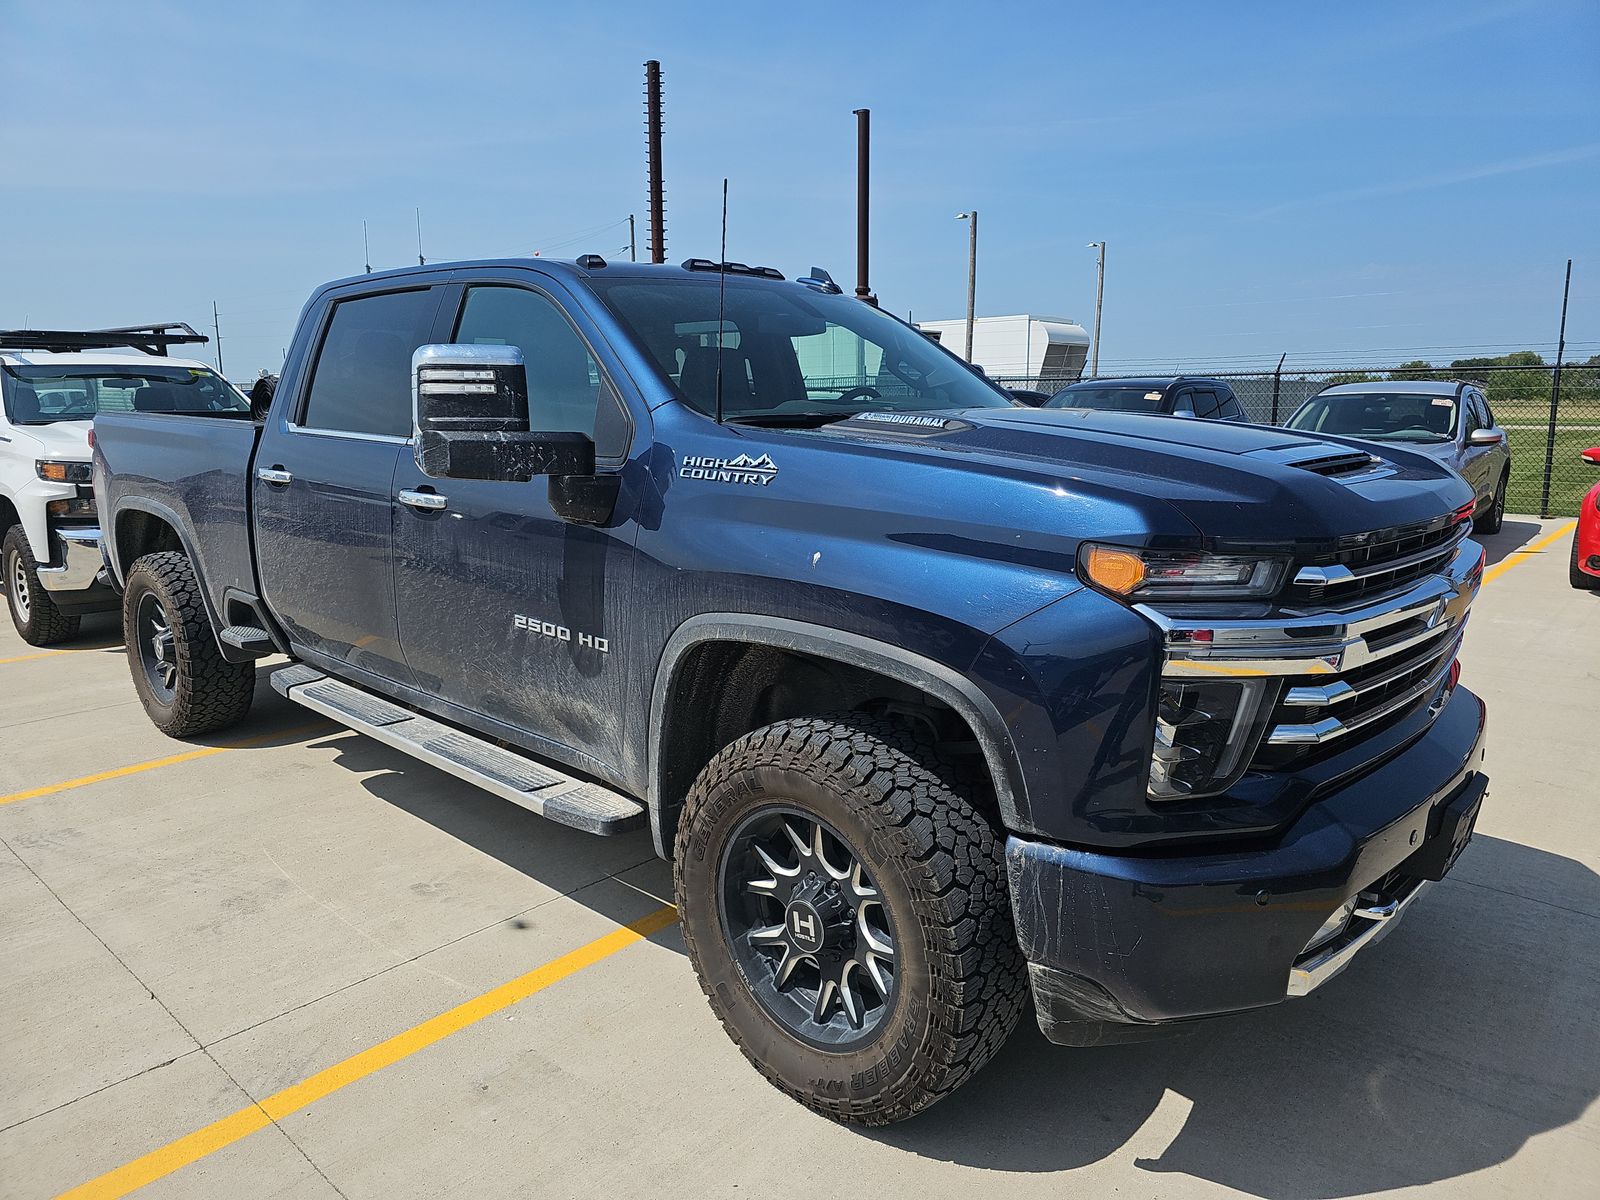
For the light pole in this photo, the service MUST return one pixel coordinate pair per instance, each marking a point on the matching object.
(1099, 294)
(972, 272)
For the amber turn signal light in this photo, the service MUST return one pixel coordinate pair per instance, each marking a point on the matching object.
(1117, 571)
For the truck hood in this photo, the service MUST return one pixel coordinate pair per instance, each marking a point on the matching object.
(1233, 483)
(65, 440)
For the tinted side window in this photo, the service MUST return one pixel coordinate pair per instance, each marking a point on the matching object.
(1184, 403)
(1478, 413)
(1205, 402)
(1231, 410)
(563, 377)
(1488, 413)
(362, 379)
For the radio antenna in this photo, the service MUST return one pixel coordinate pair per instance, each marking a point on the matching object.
(722, 292)
(366, 246)
(421, 262)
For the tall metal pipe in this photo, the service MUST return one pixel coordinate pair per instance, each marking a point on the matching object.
(863, 196)
(652, 123)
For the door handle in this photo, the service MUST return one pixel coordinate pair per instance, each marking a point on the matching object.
(423, 501)
(275, 475)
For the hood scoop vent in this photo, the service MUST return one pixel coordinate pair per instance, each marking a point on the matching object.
(1349, 462)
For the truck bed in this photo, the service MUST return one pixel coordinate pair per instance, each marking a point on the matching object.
(191, 471)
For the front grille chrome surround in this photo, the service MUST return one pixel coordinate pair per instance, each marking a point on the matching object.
(1342, 668)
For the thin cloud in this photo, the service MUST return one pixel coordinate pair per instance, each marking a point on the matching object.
(1423, 183)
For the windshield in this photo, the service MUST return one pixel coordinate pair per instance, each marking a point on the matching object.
(42, 395)
(1136, 398)
(789, 353)
(1380, 416)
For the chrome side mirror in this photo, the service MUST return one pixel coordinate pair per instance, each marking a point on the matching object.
(1485, 437)
(470, 414)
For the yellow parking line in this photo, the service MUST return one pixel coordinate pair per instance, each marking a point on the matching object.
(171, 760)
(1527, 552)
(32, 657)
(175, 1155)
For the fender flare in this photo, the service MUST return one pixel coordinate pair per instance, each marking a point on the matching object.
(938, 680)
(112, 551)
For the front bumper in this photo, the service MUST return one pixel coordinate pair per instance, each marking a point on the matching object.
(1120, 944)
(73, 577)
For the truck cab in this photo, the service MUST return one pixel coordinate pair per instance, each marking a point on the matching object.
(933, 701)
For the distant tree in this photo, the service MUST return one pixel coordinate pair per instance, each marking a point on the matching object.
(1517, 358)
(1506, 384)
(1339, 377)
(1416, 369)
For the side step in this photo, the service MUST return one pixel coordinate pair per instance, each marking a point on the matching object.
(538, 788)
(249, 639)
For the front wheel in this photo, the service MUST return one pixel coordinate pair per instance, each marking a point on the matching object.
(1495, 515)
(846, 911)
(34, 614)
(184, 683)
(1576, 575)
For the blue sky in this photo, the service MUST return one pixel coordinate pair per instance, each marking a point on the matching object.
(1361, 182)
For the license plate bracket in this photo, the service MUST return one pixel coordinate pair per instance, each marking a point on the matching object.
(1450, 829)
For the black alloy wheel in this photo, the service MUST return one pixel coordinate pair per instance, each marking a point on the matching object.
(808, 928)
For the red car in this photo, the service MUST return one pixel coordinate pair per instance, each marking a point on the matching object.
(1585, 570)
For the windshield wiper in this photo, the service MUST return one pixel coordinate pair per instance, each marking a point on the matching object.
(791, 420)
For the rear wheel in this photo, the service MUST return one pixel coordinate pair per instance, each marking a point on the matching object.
(1495, 515)
(845, 908)
(34, 614)
(184, 683)
(1576, 575)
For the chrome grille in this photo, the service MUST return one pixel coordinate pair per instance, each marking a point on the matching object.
(1391, 559)
(1332, 670)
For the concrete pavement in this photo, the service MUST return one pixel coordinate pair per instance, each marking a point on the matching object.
(184, 943)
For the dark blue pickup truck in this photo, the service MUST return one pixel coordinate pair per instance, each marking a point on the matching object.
(933, 700)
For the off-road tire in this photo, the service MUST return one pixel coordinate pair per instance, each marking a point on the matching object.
(45, 624)
(1576, 575)
(1495, 515)
(209, 692)
(939, 864)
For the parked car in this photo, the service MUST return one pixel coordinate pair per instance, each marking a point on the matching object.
(1180, 396)
(931, 698)
(1584, 572)
(1028, 396)
(1449, 420)
(52, 382)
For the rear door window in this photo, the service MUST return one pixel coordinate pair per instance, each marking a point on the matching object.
(1231, 409)
(361, 383)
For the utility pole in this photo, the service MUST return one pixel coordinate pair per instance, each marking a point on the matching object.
(216, 328)
(652, 125)
(971, 217)
(633, 245)
(1099, 295)
(863, 195)
(1555, 396)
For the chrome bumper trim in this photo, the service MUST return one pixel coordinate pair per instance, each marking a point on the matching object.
(80, 560)
(1369, 925)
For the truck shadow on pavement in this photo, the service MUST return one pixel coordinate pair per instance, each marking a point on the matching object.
(1440, 1053)
(1513, 536)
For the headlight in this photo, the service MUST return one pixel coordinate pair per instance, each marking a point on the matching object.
(1178, 574)
(53, 471)
(1205, 731)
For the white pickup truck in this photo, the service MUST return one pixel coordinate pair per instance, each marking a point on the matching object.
(52, 383)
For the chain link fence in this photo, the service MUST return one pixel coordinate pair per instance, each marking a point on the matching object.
(1549, 421)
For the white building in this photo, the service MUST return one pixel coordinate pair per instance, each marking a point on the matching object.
(1017, 347)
